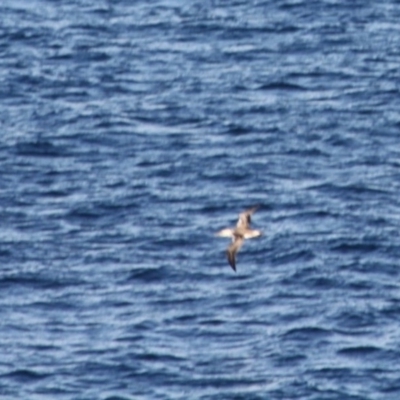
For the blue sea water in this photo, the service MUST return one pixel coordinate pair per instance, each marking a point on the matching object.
(131, 131)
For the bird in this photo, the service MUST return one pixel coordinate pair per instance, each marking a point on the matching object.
(238, 234)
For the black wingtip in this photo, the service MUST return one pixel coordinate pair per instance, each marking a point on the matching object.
(231, 260)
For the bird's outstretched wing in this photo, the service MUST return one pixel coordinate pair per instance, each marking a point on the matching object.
(245, 218)
(232, 250)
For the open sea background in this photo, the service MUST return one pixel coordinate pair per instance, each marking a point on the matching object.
(131, 131)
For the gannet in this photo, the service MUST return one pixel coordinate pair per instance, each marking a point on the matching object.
(238, 234)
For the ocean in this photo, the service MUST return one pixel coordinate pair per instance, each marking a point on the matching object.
(131, 132)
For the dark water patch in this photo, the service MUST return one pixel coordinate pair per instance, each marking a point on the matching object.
(359, 351)
(356, 321)
(306, 216)
(130, 339)
(119, 304)
(308, 152)
(294, 256)
(40, 149)
(224, 382)
(179, 301)
(360, 285)
(292, 360)
(5, 253)
(355, 246)
(25, 376)
(148, 274)
(392, 309)
(84, 213)
(307, 334)
(118, 205)
(117, 397)
(284, 86)
(44, 348)
(58, 305)
(103, 369)
(173, 242)
(156, 357)
(237, 129)
(212, 322)
(234, 395)
(38, 280)
(321, 282)
(185, 318)
(55, 193)
(332, 373)
(342, 190)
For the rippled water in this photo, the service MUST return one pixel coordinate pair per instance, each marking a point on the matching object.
(132, 131)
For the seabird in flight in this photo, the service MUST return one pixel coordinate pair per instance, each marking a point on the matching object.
(238, 234)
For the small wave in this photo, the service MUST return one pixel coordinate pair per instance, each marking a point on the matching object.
(117, 397)
(337, 190)
(307, 333)
(158, 357)
(37, 281)
(147, 274)
(359, 351)
(355, 247)
(25, 375)
(84, 213)
(289, 360)
(301, 255)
